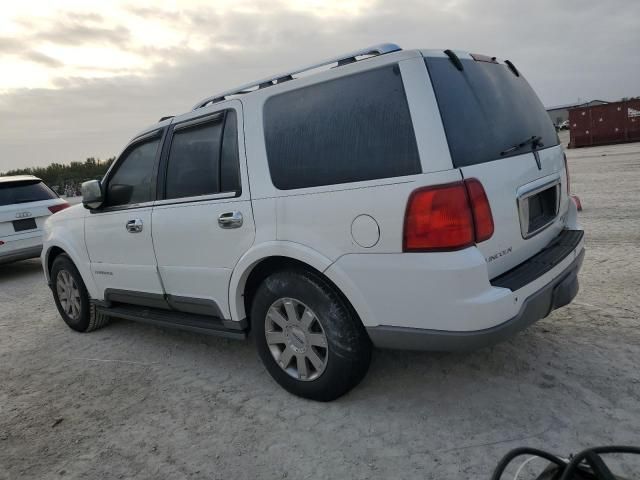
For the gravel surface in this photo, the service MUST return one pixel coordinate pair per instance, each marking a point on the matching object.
(136, 401)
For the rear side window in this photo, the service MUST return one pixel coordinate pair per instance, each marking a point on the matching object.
(24, 192)
(134, 180)
(486, 109)
(349, 129)
(203, 158)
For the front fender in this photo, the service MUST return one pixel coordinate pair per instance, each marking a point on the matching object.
(68, 235)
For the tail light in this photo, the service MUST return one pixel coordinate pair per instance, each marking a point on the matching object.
(482, 218)
(566, 167)
(57, 208)
(447, 217)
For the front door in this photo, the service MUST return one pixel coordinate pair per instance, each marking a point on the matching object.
(118, 235)
(203, 221)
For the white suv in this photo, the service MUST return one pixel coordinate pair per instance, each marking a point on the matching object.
(25, 204)
(402, 199)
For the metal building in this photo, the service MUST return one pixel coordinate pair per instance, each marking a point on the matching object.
(560, 113)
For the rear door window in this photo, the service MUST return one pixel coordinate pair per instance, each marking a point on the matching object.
(487, 109)
(24, 192)
(349, 129)
(203, 158)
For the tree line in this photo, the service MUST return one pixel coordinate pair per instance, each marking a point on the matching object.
(67, 177)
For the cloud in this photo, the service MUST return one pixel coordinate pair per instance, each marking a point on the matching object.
(73, 32)
(41, 58)
(565, 49)
(10, 46)
(39, 37)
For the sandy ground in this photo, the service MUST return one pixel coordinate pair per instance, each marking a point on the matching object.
(136, 401)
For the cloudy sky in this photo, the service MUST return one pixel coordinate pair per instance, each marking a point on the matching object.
(78, 78)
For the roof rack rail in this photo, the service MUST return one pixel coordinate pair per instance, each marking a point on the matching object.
(341, 60)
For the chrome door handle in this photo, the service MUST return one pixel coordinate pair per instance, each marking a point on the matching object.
(134, 226)
(230, 220)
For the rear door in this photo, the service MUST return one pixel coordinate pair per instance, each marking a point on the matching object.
(499, 132)
(203, 221)
(118, 235)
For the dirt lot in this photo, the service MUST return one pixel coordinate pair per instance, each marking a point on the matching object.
(137, 401)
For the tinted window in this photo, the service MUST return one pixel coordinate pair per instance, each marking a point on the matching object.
(194, 161)
(203, 159)
(345, 130)
(134, 179)
(487, 109)
(24, 192)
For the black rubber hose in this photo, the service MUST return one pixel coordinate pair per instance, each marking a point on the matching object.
(592, 457)
(497, 473)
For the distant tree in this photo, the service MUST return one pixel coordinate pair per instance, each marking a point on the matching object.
(67, 176)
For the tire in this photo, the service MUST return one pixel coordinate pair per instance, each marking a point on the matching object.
(74, 308)
(323, 324)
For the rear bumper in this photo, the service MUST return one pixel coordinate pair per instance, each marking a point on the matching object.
(558, 293)
(20, 254)
(445, 300)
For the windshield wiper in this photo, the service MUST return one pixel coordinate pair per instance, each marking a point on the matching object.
(534, 141)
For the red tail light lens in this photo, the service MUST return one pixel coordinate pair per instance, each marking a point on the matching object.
(482, 218)
(566, 167)
(438, 218)
(57, 208)
(447, 217)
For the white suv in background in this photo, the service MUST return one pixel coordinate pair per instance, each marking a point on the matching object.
(403, 199)
(25, 203)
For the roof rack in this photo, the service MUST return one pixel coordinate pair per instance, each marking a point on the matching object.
(341, 60)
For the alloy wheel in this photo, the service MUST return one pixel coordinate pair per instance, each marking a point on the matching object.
(68, 294)
(296, 339)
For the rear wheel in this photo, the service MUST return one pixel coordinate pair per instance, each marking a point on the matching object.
(307, 336)
(71, 297)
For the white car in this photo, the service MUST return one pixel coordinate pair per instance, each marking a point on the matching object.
(402, 199)
(25, 203)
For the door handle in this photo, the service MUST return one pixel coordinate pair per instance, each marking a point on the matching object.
(134, 226)
(230, 220)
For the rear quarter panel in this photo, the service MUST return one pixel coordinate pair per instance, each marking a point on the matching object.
(321, 218)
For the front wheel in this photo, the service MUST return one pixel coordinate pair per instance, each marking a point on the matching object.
(307, 336)
(72, 298)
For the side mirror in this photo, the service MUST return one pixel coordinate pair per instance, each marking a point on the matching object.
(92, 196)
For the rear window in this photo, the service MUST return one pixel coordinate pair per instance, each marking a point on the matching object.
(349, 129)
(24, 192)
(486, 109)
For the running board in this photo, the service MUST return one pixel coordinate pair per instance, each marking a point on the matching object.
(183, 321)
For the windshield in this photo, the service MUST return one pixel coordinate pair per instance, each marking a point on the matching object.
(487, 110)
(24, 192)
